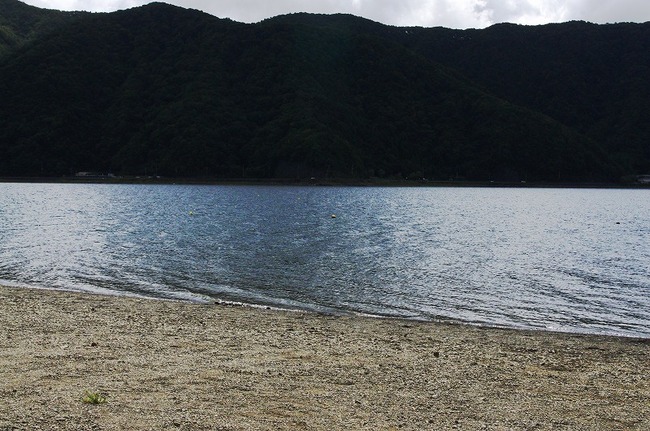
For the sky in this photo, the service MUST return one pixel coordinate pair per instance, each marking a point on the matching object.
(460, 14)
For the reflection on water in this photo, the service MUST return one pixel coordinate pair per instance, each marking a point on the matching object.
(572, 260)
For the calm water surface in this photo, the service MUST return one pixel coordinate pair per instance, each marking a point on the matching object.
(561, 259)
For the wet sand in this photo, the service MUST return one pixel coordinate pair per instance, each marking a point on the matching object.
(171, 365)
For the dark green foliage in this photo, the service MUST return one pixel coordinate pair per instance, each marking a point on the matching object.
(21, 23)
(174, 92)
(592, 78)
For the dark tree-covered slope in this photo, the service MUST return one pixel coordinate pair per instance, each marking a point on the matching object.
(169, 91)
(21, 23)
(592, 78)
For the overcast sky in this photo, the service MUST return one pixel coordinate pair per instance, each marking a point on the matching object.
(427, 13)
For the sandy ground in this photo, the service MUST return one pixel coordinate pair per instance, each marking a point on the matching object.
(169, 365)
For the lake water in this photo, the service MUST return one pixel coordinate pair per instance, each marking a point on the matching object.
(574, 260)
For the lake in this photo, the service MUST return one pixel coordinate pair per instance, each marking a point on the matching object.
(575, 260)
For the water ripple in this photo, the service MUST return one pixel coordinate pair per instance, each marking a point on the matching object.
(570, 260)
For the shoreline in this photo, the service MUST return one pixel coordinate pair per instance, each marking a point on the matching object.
(176, 365)
(322, 182)
(204, 300)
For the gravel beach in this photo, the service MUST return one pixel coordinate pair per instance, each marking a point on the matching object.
(170, 365)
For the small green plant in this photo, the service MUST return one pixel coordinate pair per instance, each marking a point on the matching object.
(93, 398)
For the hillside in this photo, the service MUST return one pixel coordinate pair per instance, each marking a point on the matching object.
(592, 78)
(21, 23)
(169, 91)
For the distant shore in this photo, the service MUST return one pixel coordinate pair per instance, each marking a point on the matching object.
(172, 365)
(351, 182)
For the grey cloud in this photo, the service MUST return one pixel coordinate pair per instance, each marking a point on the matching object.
(524, 11)
(610, 11)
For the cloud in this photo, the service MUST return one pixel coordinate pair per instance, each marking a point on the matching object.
(428, 13)
(610, 11)
(525, 11)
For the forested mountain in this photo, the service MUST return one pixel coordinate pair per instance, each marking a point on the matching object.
(169, 91)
